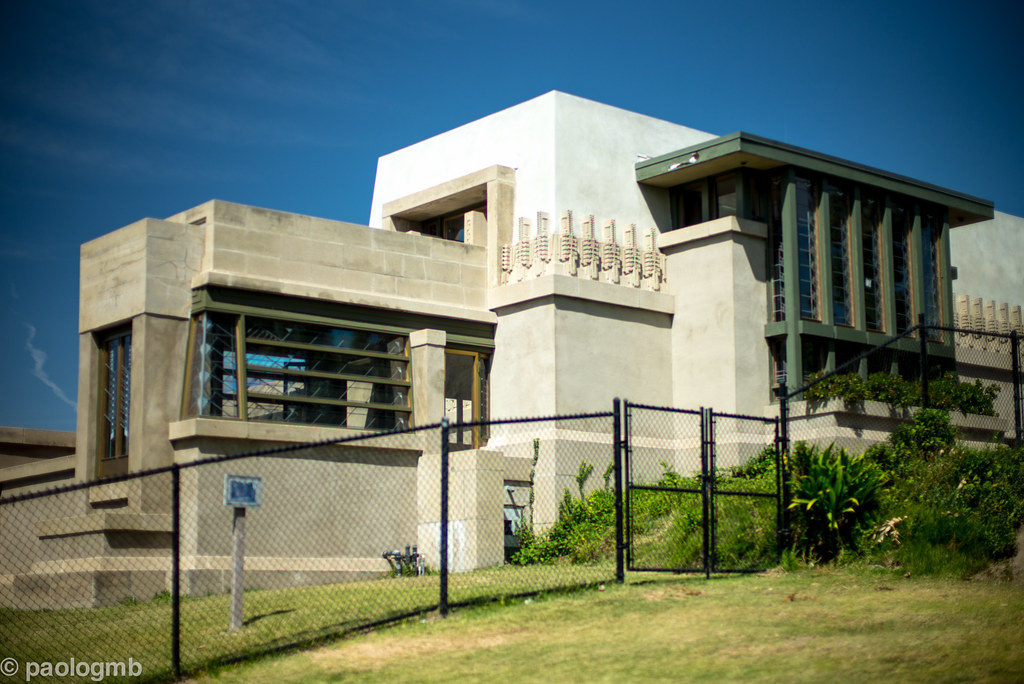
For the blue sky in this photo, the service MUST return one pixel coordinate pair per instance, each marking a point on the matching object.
(113, 111)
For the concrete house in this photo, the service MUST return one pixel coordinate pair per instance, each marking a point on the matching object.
(541, 260)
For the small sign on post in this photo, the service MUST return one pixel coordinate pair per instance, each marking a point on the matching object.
(240, 492)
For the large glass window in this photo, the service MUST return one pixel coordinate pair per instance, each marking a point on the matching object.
(871, 251)
(841, 267)
(465, 397)
(904, 303)
(115, 403)
(807, 246)
(777, 265)
(297, 372)
(931, 230)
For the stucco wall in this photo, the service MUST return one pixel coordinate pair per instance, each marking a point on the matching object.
(568, 153)
(717, 272)
(988, 257)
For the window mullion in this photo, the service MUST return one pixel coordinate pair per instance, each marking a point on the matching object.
(241, 366)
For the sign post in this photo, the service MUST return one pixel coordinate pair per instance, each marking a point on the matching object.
(240, 492)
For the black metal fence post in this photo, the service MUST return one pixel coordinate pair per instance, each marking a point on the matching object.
(782, 467)
(922, 333)
(176, 570)
(706, 474)
(443, 599)
(620, 572)
(1015, 366)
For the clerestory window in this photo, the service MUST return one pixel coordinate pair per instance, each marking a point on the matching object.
(871, 251)
(268, 369)
(839, 248)
(931, 231)
(904, 302)
(807, 246)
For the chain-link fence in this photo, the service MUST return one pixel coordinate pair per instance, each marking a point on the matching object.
(975, 375)
(171, 571)
(703, 490)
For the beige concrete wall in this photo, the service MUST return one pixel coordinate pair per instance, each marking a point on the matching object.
(605, 351)
(475, 515)
(716, 271)
(158, 376)
(566, 345)
(287, 253)
(146, 267)
(19, 446)
(35, 459)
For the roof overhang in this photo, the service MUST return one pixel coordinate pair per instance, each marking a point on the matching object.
(743, 150)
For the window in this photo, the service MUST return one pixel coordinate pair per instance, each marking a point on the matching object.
(807, 246)
(297, 372)
(115, 403)
(813, 352)
(687, 203)
(777, 265)
(871, 251)
(724, 189)
(449, 226)
(931, 230)
(839, 248)
(777, 348)
(465, 397)
(904, 305)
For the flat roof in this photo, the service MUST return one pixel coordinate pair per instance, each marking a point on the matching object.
(743, 150)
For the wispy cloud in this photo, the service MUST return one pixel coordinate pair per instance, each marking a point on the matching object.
(38, 361)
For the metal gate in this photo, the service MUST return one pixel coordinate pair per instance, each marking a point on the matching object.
(703, 490)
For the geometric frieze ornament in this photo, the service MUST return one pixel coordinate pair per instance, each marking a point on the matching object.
(631, 263)
(590, 251)
(977, 314)
(583, 254)
(611, 254)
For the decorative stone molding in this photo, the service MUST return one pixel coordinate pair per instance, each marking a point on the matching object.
(583, 255)
(974, 313)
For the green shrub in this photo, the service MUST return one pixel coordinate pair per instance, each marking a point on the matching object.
(892, 390)
(757, 467)
(949, 394)
(960, 507)
(836, 496)
(930, 433)
(849, 387)
(945, 393)
(666, 526)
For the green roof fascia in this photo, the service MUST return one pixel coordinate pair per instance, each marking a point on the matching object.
(784, 154)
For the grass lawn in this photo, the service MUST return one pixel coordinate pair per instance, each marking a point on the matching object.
(835, 625)
(273, 619)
